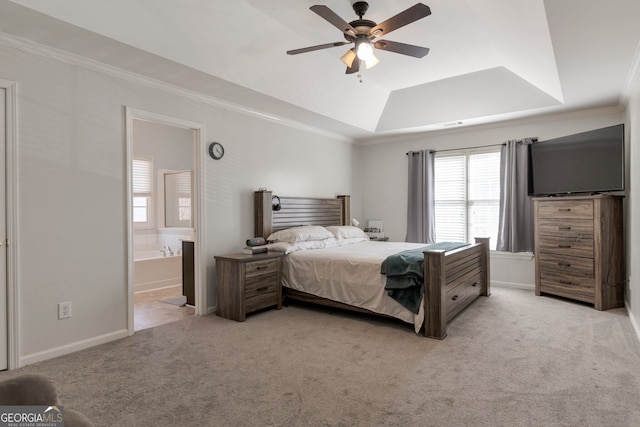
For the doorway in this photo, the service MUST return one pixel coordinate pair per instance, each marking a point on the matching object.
(3, 232)
(9, 349)
(165, 232)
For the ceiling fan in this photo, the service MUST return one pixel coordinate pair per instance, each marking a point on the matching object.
(364, 33)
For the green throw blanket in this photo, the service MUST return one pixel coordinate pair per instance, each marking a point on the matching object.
(405, 273)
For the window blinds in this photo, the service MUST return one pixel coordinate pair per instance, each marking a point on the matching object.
(141, 176)
(467, 194)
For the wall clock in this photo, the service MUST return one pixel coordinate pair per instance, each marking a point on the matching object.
(216, 150)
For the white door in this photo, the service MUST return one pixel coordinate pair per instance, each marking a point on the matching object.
(3, 234)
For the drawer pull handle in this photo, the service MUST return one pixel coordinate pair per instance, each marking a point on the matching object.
(565, 282)
(264, 288)
(474, 284)
(565, 210)
(261, 267)
(565, 246)
(564, 228)
(564, 264)
(455, 297)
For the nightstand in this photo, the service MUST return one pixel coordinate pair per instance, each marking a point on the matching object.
(247, 283)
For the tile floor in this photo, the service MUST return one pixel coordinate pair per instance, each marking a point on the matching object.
(149, 311)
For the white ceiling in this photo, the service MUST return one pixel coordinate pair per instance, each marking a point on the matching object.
(489, 60)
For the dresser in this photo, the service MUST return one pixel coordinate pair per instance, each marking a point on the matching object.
(247, 283)
(579, 249)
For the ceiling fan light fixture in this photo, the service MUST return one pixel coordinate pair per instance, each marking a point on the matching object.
(371, 61)
(365, 53)
(349, 57)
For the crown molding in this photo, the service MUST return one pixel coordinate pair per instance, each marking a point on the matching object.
(49, 52)
(513, 122)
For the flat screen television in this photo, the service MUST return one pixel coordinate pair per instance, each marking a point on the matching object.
(587, 162)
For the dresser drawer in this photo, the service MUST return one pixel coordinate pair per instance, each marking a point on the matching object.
(566, 246)
(571, 277)
(474, 287)
(568, 266)
(257, 284)
(566, 209)
(581, 290)
(458, 295)
(261, 291)
(577, 228)
(257, 268)
(455, 297)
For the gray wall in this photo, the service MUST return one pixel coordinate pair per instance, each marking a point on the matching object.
(633, 207)
(383, 166)
(72, 230)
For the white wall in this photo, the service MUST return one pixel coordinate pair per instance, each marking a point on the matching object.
(384, 173)
(633, 208)
(72, 227)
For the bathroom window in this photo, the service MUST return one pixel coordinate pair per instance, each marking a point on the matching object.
(184, 196)
(142, 192)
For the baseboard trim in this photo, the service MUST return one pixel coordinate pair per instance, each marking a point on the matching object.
(72, 348)
(156, 286)
(634, 324)
(513, 285)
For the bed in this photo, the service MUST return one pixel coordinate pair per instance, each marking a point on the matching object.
(348, 276)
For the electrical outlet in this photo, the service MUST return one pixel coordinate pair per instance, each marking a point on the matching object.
(64, 310)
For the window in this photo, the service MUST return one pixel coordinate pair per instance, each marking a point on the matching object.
(142, 193)
(184, 196)
(467, 195)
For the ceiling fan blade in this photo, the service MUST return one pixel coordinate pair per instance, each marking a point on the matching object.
(318, 47)
(355, 67)
(402, 48)
(334, 19)
(415, 12)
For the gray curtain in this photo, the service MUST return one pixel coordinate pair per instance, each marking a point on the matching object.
(421, 219)
(515, 227)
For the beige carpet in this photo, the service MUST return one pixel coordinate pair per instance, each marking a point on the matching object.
(512, 359)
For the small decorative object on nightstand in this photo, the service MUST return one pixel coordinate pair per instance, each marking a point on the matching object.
(379, 239)
(375, 229)
(247, 283)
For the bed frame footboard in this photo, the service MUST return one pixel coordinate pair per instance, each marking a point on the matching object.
(453, 280)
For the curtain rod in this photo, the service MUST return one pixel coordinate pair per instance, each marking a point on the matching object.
(533, 139)
(459, 149)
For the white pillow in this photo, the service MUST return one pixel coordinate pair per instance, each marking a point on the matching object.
(347, 232)
(300, 234)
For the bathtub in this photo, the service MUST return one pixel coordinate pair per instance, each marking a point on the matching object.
(153, 270)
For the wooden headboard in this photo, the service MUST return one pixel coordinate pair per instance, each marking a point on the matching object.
(296, 211)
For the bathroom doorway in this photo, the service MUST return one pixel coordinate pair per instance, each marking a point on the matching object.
(163, 199)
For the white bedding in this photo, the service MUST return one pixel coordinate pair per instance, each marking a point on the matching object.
(349, 274)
